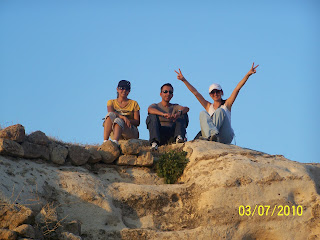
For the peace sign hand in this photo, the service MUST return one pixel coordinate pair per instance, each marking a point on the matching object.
(253, 69)
(180, 76)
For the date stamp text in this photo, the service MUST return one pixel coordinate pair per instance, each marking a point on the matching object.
(267, 210)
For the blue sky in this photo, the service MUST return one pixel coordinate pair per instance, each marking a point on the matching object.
(60, 62)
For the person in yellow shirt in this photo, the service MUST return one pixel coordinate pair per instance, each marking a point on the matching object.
(123, 116)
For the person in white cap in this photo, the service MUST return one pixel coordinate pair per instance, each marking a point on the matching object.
(215, 122)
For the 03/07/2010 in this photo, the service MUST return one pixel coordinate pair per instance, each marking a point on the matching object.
(263, 210)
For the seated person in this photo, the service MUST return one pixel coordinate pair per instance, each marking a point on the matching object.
(166, 121)
(215, 122)
(123, 116)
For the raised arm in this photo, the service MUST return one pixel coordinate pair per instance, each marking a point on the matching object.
(200, 98)
(229, 102)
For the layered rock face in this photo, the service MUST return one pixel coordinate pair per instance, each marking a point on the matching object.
(125, 199)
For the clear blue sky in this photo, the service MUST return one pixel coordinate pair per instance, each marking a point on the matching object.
(60, 62)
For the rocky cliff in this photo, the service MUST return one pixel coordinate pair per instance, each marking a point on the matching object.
(52, 190)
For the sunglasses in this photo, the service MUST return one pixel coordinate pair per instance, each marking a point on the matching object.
(123, 88)
(166, 91)
(215, 91)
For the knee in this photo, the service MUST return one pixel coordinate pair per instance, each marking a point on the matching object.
(152, 118)
(184, 119)
(111, 115)
(184, 116)
(203, 114)
(220, 111)
(107, 122)
(119, 122)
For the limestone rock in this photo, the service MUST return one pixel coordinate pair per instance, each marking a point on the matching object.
(25, 230)
(10, 148)
(69, 236)
(109, 151)
(145, 159)
(12, 216)
(127, 160)
(39, 138)
(132, 146)
(127, 202)
(73, 227)
(32, 151)
(78, 155)
(58, 153)
(15, 133)
(6, 234)
(95, 156)
(99, 166)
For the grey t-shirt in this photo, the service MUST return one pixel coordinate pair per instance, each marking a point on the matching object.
(172, 109)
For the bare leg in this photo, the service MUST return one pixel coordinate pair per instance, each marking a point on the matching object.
(107, 128)
(116, 132)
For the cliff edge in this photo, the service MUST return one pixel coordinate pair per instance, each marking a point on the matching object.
(225, 192)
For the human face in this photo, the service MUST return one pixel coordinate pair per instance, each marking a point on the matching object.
(166, 93)
(123, 92)
(216, 94)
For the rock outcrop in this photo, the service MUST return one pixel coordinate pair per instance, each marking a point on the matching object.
(225, 192)
(14, 133)
(10, 148)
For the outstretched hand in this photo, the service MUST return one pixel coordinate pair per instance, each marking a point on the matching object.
(180, 76)
(253, 69)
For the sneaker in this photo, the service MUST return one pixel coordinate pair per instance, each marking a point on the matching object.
(213, 138)
(179, 139)
(115, 141)
(203, 138)
(154, 146)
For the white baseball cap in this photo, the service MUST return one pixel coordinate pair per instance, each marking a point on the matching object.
(214, 86)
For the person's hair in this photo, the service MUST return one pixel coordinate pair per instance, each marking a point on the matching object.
(124, 82)
(166, 84)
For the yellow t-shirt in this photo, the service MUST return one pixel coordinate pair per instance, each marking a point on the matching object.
(127, 111)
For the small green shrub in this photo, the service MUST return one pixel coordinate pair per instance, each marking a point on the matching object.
(171, 165)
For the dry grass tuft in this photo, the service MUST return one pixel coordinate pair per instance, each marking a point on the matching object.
(48, 223)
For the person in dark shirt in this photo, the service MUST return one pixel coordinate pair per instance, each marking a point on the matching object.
(166, 122)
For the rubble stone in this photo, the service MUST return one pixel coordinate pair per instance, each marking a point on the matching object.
(10, 148)
(39, 138)
(109, 151)
(73, 227)
(15, 133)
(78, 155)
(25, 230)
(6, 234)
(58, 153)
(12, 215)
(132, 146)
(95, 155)
(32, 150)
(145, 159)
